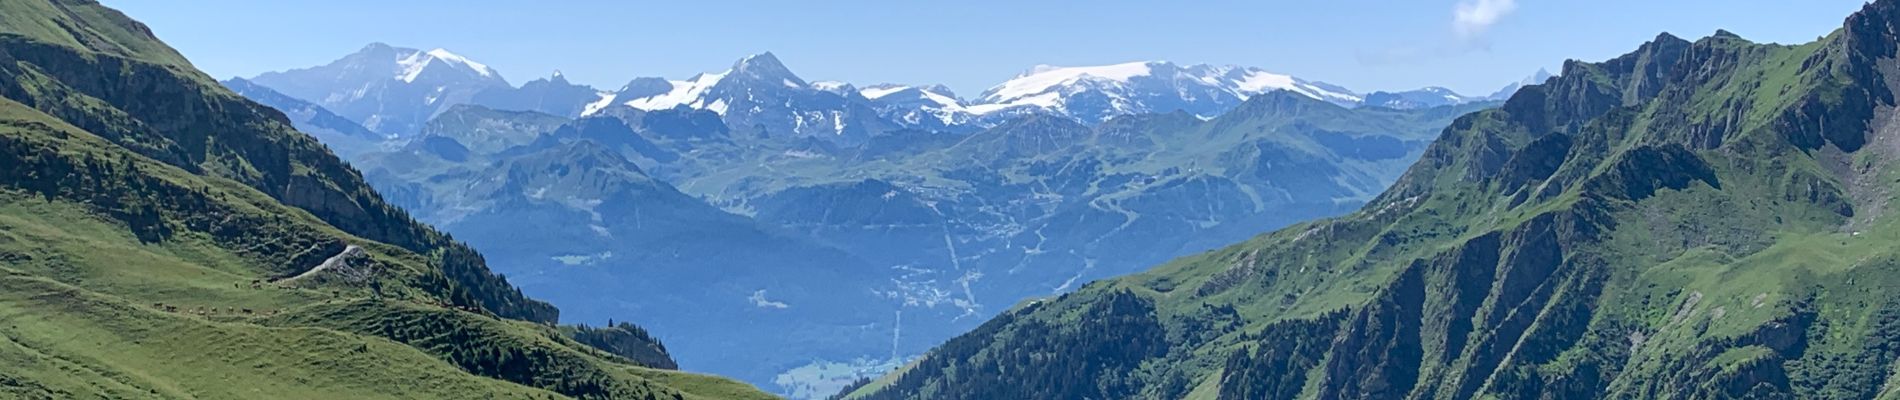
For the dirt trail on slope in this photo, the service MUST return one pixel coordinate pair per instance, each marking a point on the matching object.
(337, 261)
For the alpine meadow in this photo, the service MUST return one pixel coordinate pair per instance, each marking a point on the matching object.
(983, 200)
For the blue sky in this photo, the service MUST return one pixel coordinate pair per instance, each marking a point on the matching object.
(1472, 46)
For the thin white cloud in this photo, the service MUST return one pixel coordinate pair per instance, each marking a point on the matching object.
(1471, 18)
(758, 299)
(1470, 21)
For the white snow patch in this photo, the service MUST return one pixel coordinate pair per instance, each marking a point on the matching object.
(942, 100)
(829, 85)
(838, 87)
(1049, 100)
(986, 109)
(1049, 87)
(606, 99)
(1044, 77)
(875, 93)
(445, 55)
(1257, 81)
(921, 103)
(688, 93)
(413, 64)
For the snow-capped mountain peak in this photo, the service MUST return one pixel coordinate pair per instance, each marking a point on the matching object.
(879, 91)
(445, 55)
(1096, 93)
(1254, 81)
(1043, 78)
(411, 64)
(757, 92)
(659, 94)
(1427, 97)
(766, 67)
(841, 88)
(690, 93)
(933, 106)
(1444, 93)
(933, 95)
(389, 89)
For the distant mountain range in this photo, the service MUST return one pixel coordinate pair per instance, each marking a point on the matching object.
(1095, 94)
(394, 91)
(1438, 96)
(916, 211)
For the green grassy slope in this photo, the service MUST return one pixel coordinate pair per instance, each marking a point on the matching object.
(150, 220)
(485, 130)
(1707, 219)
(83, 24)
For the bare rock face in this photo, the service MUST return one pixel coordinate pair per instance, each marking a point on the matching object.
(309, 193)
(351, 266)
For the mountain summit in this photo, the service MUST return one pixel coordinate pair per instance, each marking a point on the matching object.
(765, 67)
(440, 65)
(1096, 93)
(929, 107)
(390, 90)
(1506, 92)
(758, 93)
(1421, 98)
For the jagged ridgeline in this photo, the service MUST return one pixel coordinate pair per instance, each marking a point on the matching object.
(1703, 219)
(162, 237)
